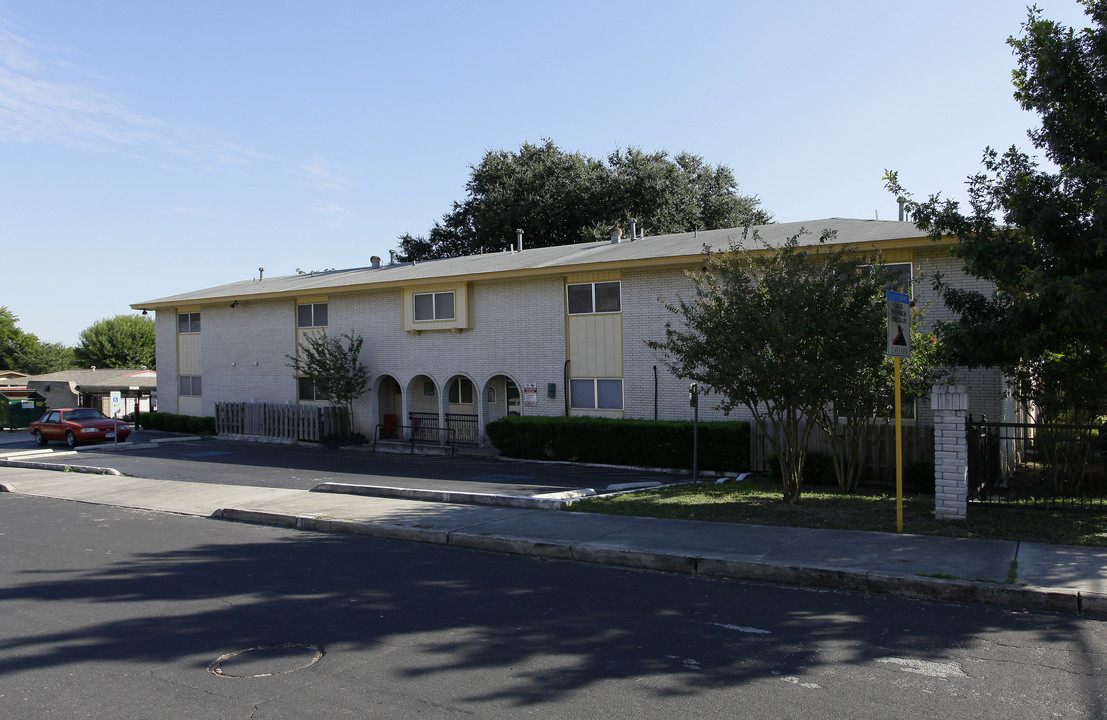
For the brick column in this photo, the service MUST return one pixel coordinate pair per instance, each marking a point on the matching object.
(951, 451)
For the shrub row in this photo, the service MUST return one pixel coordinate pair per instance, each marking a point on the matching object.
(171, 422)
(644, 443)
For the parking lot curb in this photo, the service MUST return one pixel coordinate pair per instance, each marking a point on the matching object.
(1070, 602)
(443, 496)
(59, 467)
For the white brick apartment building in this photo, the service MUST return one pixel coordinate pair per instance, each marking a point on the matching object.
(544, 331)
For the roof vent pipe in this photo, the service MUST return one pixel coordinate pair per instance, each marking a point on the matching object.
(376, 261)
(633, 230)
(391, 257)
(261, 272)
(519, 238)
(901, 200)
(616, 235)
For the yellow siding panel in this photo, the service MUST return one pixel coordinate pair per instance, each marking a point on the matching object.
(596, 345)
(188, 354)
(302, 335)
(460, 320)
(594, 277)
(190, 405)
(311, 299)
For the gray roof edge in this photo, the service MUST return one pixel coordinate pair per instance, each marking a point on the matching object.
(656, 247)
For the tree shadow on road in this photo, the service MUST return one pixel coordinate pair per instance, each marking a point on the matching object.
(545, 631)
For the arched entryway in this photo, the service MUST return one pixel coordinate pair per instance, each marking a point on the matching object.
(462, 409)
(389, 408)
(423, 410)
(501, 398)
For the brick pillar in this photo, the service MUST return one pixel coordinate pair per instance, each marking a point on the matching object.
(951, 452)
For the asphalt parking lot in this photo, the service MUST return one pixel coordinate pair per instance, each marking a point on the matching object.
(296, 467)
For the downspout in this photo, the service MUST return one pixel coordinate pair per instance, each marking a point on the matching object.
(567, 399)
(654, 392)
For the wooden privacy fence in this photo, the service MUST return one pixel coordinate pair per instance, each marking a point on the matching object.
(310, 423)
(879, 462)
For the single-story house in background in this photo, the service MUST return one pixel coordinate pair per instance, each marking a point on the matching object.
(12, 379)
(543, 331)
(93, 388)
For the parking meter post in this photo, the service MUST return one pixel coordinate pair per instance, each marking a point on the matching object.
(694, 400)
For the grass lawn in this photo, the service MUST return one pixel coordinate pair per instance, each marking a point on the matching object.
(758, 502)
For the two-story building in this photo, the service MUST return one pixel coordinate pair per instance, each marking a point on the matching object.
(544, 331)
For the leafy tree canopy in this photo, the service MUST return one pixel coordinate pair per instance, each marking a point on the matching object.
(123, 341)
(1039, 234)
(334, 366)
(783, 334)
(560, 198)
(24, 352)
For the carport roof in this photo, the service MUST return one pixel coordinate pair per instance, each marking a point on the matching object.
(101, 379)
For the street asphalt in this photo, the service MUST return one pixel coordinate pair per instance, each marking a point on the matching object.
(525, 519)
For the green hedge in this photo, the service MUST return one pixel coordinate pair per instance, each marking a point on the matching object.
(171, 422)
(642, 443)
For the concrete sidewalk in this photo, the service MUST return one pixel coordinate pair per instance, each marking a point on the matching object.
(1046, 577)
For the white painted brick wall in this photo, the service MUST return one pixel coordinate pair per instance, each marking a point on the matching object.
(244, 351)
(949, 404)
(165, 349)
(517, 330)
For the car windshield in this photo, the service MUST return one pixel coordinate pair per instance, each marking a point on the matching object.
(83, 414)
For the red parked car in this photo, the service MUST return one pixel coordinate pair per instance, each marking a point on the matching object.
(78, 425)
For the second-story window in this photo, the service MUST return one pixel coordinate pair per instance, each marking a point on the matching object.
(597, 297)
(434, 306)
(188, 322)
(311, 315)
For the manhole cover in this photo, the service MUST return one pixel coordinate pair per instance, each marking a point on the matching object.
(266, 660)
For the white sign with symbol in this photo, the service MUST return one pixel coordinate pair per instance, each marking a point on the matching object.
(899, 324)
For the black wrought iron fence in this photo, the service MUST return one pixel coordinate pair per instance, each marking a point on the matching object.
(424, 427)
(1054, 465)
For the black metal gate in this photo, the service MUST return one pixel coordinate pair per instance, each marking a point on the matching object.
(1048, 464)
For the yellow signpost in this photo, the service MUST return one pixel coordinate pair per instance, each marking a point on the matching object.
(899, 346)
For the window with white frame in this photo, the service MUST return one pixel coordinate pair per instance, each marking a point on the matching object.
(306, 390)
(596, 393)
(898, 276)
(461, 392)
(191, 385)
(434, 306)
(311, 315)
(593, 297)
(188, 322)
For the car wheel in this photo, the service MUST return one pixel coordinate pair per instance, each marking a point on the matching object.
(40, 439)
(71, 439)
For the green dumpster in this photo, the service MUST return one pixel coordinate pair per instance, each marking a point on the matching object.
(19, 408)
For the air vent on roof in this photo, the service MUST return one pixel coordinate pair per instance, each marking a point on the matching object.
(376, 261)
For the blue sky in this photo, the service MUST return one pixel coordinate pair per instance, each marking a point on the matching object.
(151, 148)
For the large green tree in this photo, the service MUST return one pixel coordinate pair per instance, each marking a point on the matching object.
(560, 198)
(777, 332)
(9, 340)
(24, 352)
(123, 341)
(1039, 233)
(334, 366)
